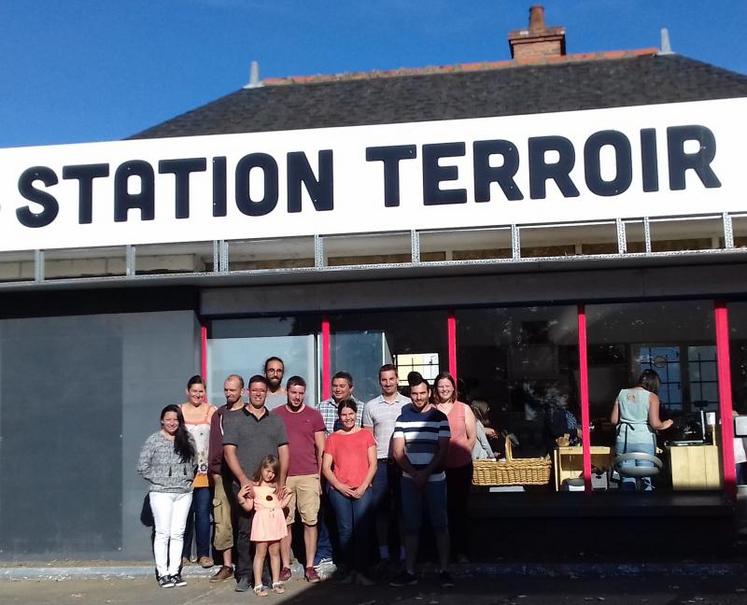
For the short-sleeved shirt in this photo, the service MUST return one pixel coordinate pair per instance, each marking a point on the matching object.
(349, 455)
(381, 416)
(253, 437)
(276, 400)
(301, 428)
(328, 410)
(421, 432)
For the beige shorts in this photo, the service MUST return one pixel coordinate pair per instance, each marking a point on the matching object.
(223, 537)
(304, 496)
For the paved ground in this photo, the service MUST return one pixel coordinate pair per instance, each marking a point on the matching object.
(513, 590)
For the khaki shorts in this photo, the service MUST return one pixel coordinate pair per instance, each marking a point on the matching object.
(304, 496)
(223, 537)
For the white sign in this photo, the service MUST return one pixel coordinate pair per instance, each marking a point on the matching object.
(658, 160)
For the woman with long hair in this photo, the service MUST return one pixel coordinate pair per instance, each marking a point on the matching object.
(635, 413)
(483, 449)
(198, 414)
(462, 425)
(167, 463)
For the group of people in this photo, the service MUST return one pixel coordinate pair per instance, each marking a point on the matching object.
(383, 468)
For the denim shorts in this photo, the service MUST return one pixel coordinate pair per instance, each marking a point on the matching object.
(430, 500)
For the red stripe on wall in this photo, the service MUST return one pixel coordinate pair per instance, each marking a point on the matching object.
(203, 352)
(583, 379)
(452, 338)
(721, 315)
(326, 360)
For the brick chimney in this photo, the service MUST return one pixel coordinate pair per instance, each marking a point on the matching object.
(538, 41)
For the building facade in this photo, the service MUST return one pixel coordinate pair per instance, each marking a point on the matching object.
(545, 228)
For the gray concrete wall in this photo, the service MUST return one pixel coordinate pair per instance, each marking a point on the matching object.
(78, 397)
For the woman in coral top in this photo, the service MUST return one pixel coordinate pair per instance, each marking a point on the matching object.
(197, 416)
(349, 465)
(463, 427)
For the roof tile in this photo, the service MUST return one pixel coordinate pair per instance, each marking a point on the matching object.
(568, 83)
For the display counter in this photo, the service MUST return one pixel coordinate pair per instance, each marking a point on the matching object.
(568, 462)
(694, 467)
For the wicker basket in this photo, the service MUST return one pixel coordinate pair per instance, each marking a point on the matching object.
(511, 471)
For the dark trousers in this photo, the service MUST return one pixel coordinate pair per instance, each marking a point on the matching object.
(458, 484)
(243, 543)
(198, 523)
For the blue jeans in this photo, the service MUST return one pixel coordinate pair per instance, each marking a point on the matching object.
(354, 523)
(323, 541)
(198, 523)
(649, 447)
(415, 502)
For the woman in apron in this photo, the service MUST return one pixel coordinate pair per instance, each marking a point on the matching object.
(636, 415)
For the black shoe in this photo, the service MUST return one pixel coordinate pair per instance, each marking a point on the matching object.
(242, 585)
(445, 579)
(166, 582)
(404, 579)
(177, 580)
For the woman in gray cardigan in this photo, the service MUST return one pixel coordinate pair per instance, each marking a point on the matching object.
(167, 462)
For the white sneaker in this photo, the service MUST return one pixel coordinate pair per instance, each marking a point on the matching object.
(326, 567)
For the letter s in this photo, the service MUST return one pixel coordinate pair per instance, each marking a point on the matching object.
(48, 202)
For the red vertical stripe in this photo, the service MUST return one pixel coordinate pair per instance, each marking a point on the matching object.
(583, 379)
(203, 352)
(326, 360)
(721, 315)
(452, 337)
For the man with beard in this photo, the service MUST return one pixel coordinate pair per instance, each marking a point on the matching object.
(305, 429)
(274, 371)
(419, 446)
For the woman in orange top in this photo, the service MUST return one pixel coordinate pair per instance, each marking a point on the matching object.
(463, 427)
(349, 465)
(197, 415)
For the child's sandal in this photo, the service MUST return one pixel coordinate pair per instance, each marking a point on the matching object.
(260, 591)
(278, 588)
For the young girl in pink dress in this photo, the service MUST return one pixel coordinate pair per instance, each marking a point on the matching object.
(268, 525)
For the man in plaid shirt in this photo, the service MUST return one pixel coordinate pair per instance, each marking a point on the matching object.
(342, 389)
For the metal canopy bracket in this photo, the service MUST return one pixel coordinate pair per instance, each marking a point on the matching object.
(647, 233)
(622, 240)
(319, 260)
(220, 256)
(38, 265)
(130, 261)
(415, 246)
(728, 231)
(515, 242)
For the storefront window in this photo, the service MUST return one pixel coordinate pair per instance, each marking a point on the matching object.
(363, 342)
(738, 357)
(524, 363)
(677, 341)
(240, 346)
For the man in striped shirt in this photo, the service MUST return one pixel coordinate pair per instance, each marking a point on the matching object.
(419, 446)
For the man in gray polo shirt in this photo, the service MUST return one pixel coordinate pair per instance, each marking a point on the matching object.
(249, 436)
(379, 416)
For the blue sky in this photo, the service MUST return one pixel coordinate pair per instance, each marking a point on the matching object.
(92, 70)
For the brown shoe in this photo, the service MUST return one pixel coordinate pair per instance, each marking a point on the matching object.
(205, 562)
(285, 574)
(186, 561)
(223, 573)
(312, 577)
